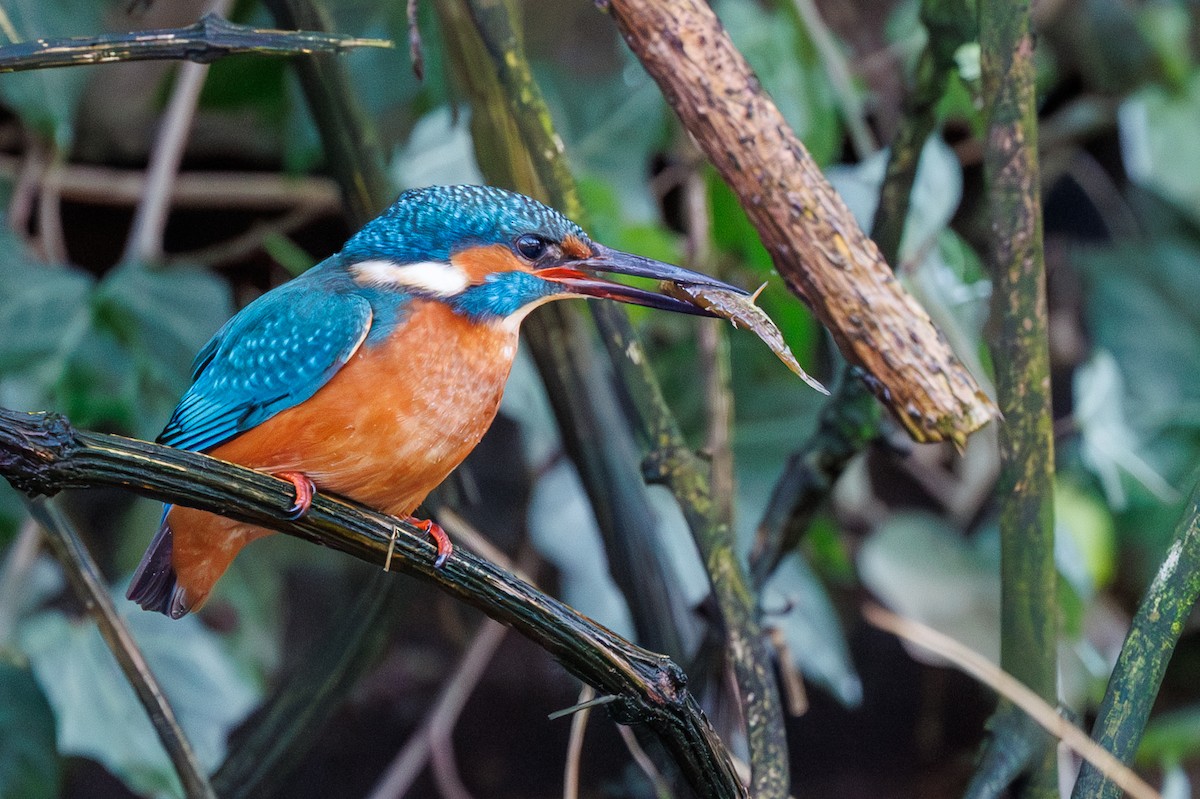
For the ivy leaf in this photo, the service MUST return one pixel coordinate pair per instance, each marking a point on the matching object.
(46, 99)
(29, 764)
(91, 698)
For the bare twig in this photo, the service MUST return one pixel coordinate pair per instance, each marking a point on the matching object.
(1020, 351)
(145, 242)
(51, 237)
(1014, 691)
(408, 763)
(112, 186)
(85, 579)
(816, 244)
(575, 742)
(21, 555)
(662, 788)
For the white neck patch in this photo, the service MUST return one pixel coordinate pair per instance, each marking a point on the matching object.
(439, 278)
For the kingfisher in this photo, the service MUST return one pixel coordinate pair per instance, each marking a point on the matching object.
(374, 374)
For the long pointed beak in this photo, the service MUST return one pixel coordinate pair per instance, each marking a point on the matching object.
(576, 277)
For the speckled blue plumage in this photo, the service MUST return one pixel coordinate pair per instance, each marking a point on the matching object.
(281, 348)
(434, 223)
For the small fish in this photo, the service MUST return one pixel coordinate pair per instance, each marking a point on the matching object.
(742, 312)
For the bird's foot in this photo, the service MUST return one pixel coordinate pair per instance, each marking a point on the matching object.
(304, 492)
(431, 529)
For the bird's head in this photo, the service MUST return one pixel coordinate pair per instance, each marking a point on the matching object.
(495, 255)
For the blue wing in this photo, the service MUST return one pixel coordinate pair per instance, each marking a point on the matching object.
(274, 354)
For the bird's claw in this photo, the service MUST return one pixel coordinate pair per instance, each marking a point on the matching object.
(432, 529)
(305, 489)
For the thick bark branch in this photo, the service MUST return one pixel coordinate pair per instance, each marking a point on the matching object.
(816, 244)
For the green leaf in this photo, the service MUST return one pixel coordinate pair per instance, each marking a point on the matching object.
(46, 99)
(790, 69)
(1171, 737)
(1152, 123)
(925, 570)
(93, 702)
(438, 151)
(29, 764)
(812, 629)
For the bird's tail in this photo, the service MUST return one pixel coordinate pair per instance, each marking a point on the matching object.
(155, 586)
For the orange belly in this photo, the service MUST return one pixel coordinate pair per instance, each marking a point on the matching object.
(385, 430)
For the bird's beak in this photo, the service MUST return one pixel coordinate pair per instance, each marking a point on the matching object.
(577, 277)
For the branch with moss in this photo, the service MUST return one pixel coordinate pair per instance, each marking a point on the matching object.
(1147, 650)
(41, 454)
(205, 41)
(1020, 346)
(509, 108)
(669, 461)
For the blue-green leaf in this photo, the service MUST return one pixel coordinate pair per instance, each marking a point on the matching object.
(29, 765)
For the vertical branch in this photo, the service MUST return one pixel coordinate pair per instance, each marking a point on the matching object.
(1145, 654)
(349, 140)
(594, 428)
(85, 579)
(1028, 578)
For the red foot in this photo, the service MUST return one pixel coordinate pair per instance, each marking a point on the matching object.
(304, 492)
(434, 531)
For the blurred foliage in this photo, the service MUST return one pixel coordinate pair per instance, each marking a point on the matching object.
(110, 345)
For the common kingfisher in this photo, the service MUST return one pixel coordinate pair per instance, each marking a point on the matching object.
(376, 372)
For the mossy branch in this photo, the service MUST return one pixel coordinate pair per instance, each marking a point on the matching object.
(1020, 345)
(1147, 650)
(42, 454)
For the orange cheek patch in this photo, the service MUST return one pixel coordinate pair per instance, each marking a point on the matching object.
(573, 247)
(479, 262)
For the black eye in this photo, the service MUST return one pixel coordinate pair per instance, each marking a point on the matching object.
(531, 247)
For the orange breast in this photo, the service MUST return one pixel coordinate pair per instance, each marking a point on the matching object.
(397, 418)
(385, 430)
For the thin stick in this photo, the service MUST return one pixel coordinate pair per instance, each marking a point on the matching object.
(1014, 691)
(250, 191)
(13, 572)
(85, 579)
(662, 788)
(50, 226)
(575, 743)
(412, 759)
(145, 242)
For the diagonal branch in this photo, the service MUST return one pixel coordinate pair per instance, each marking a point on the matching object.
(43, 454)
(813, 239)
(87, 583)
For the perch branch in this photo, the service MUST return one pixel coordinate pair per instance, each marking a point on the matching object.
(43, 454)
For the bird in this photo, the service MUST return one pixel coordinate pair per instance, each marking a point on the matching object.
(372, 375)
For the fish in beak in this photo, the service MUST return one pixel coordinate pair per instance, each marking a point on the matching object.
(580, 276)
